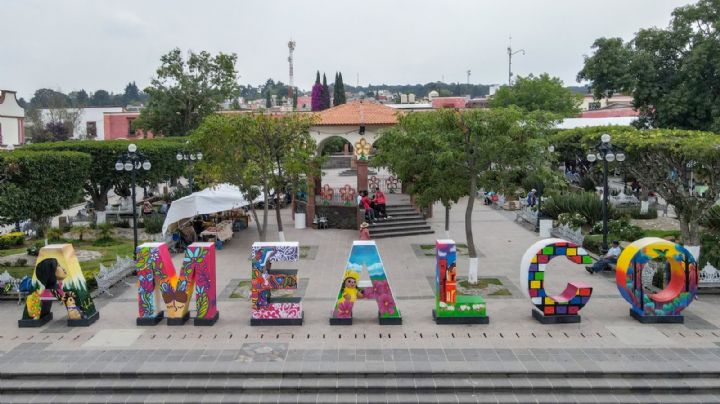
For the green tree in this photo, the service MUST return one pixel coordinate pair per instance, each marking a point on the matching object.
(185, 91)
(325, 94)
(418, 151)
(473, 148)
(103, 177)
(664, 161)
(258, 153)
(295, 98)
(541, 93)
(268, 100)
(672, 73)
(101, 98)
(39, 185)
(608, 69)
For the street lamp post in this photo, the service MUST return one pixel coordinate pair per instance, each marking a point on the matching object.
(539, 193)
(607, 154)
(133, 161)
(190, 158)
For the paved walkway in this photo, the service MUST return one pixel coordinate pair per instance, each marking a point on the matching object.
(607, 339)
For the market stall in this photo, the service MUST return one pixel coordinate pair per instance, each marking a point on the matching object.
(223, 201)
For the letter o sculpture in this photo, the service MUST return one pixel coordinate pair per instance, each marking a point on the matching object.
(562, 308)
(664, 306)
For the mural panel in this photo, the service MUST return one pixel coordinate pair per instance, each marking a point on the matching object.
(452, 306)
(57, 275)
(365, 256)
(267, 310)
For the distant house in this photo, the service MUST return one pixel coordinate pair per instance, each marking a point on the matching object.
(118, 125)
(449, 102)
(90, 122)
(12, 120)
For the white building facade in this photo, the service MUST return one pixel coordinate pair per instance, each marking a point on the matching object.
(12, 120)
(90, 122)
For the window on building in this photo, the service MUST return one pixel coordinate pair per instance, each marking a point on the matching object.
(131, 131)
(91, 130)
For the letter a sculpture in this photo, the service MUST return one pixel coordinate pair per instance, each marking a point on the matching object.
(365, 256)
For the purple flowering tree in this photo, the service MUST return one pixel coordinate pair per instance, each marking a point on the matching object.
(316, 102)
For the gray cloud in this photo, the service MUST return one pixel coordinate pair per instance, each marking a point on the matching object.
(95, 44)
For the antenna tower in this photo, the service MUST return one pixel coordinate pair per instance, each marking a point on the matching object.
(291, 88)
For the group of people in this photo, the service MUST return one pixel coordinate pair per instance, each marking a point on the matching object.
(374, 207)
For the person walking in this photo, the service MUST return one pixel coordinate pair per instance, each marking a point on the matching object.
(609, 258)
(364, 231)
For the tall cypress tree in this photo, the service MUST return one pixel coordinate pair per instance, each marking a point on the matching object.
(325, 94)
(336, 87)
(315, 97)
(341, 89)
(294, 98)
(268, 100)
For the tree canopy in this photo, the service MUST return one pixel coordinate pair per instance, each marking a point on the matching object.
(664, 161)
(186, 90)
(102, 177)
(258, 153)
(39, 185)
(672, 73)
(541, 93)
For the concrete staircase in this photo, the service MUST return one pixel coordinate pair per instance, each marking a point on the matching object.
(405, 221)
(339, 386)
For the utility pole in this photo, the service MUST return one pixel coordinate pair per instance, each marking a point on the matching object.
(291, 89)
(510, 55)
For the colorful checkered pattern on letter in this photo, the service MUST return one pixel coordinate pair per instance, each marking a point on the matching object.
(575, 295)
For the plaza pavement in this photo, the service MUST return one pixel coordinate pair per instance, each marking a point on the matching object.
(607, 339)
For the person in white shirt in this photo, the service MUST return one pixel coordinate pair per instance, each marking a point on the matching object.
(609, 258)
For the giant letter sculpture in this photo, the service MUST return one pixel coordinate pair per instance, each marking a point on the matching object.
(58, 276)
(267, 310)
(452, 307)
(563, 308)
(155, 270)
(664, 306)
(365, 255)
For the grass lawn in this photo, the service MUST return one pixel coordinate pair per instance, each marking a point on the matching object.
(484, 283)
(119, 246)
(11, 251)
(429, 249)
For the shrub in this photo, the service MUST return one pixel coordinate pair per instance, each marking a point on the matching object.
(711, 220)
(587, 184)
(104, 232)
(54, 234)
(710, 249)
(153, 223)
(35, 249)
(620, 229)
(573, 220)
(123, 224)
(80, 231)
(10, 240)
(21, 262)
(586, 204)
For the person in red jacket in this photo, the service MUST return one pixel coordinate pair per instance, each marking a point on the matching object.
(379, 199)
(369, 211)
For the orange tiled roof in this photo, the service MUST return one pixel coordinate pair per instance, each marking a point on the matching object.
(358, 113)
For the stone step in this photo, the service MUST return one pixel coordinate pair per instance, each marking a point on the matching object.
(382, 224)
(278, 387)
(405, 215)
(389, 227)
(402, 233)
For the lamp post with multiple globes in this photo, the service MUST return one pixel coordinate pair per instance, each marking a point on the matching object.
(607, 154)
(133, 161)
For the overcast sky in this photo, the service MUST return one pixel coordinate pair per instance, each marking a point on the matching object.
(99, 44)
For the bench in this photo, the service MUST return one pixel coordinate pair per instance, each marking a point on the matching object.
(108, 277)
(564, 232)
(709, 277)
(14, 290)
(526, 214)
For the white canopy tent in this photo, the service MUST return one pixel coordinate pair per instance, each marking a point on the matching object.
(219, 198)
